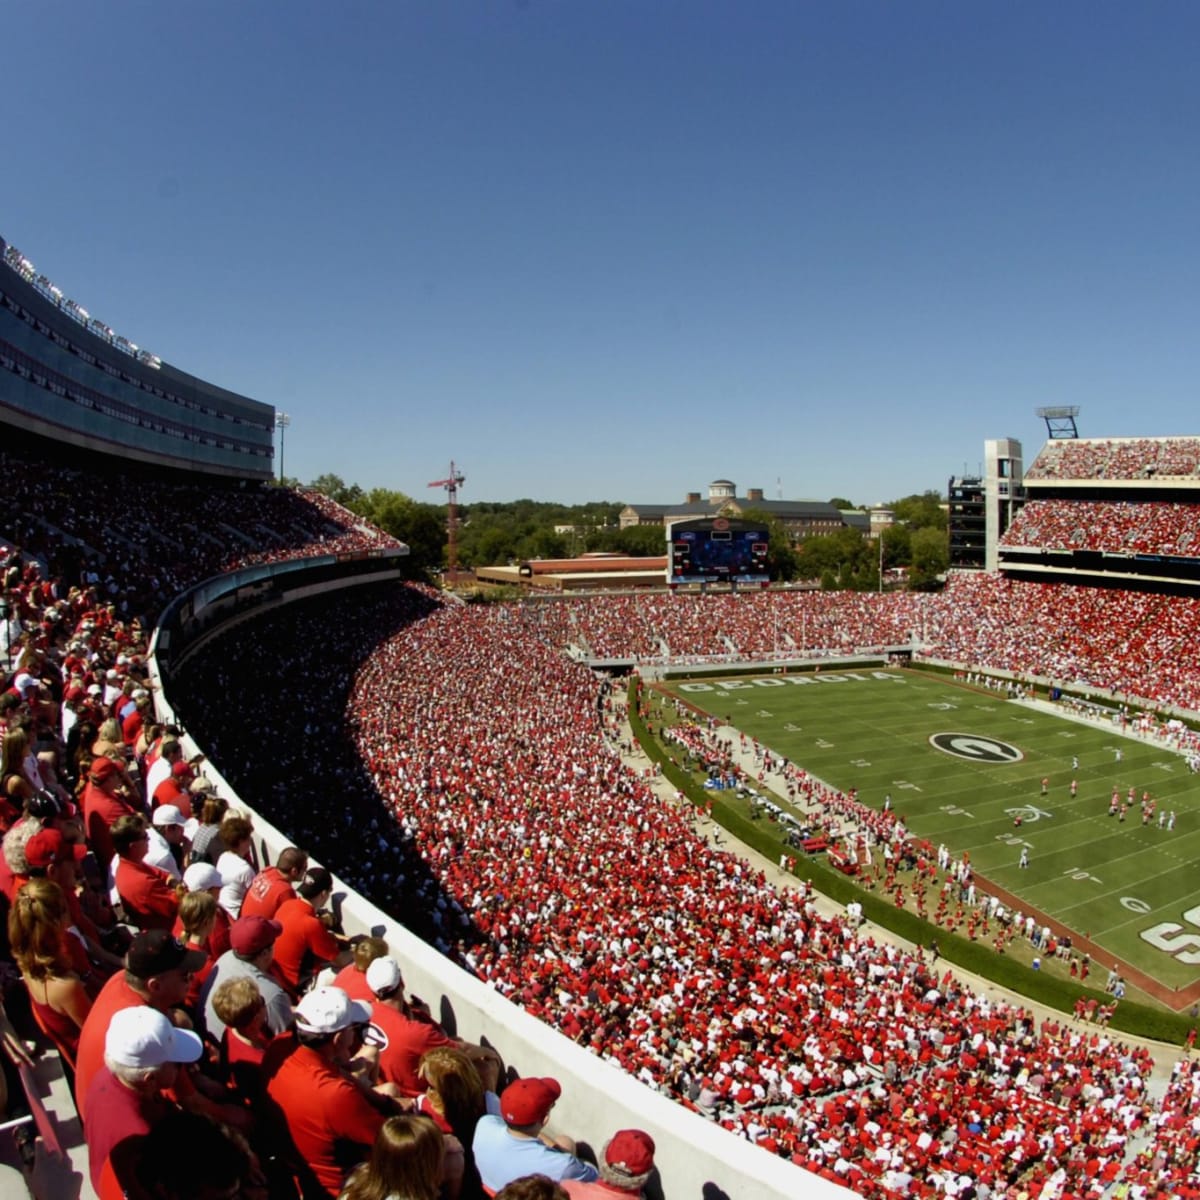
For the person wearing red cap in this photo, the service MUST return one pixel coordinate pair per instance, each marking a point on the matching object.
(174, 790)
(514, 1144)
(626, 1164)
(103, 804)
(251, 951)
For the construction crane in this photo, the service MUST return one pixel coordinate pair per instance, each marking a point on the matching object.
(451, 484)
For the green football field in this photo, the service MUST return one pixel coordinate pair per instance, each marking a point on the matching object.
(1133, 889)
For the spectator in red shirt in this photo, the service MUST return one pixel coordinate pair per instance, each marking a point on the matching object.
(142, 1053)
(409, 1036)
(217, 1162)
(306, 944)
(203, 877)
(194, 926)
(103, 803)
(274, 885)
(41, 945)
(241, 1008)
(175, 789)
(146, 894)
(352, 978)
(131, 724)
(158, 968)
(49, 855)
(329, 1121)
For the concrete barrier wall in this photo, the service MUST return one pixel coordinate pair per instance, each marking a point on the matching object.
(697, 1159)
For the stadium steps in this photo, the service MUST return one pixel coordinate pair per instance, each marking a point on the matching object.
(269, 535)
(56, 1122)
(238, 535)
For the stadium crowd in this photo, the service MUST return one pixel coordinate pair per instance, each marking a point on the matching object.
(1126, 458)
(139, 556)
(1127, 644)
(1111, 526)
(747, 626)
(605, 914)
(508, 831)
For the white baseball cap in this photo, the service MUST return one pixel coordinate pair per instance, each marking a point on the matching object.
(330, 1010)
(167, 814)
(201, 876)
(383, 975)
(143, 1037)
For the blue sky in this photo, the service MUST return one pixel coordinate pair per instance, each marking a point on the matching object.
(615, 250)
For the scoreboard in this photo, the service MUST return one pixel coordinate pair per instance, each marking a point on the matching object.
(717, 550)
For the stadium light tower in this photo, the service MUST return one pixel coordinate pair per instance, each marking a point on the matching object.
(1060, 420)
(282, 421)
(451, 483)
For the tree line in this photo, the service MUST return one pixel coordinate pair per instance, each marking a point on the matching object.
(494, 533)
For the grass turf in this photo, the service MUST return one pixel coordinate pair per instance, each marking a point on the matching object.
(1128, 887)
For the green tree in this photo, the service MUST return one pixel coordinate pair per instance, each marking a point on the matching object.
(336, 489)
(920, 511)
(641, 541)
(846, 554)
(542, 542)
(840, 502)
(930, 557)
(897, 546)
(422, 527)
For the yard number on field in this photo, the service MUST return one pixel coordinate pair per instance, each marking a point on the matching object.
(1171, 938)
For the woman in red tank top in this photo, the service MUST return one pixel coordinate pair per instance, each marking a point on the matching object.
(38, 931)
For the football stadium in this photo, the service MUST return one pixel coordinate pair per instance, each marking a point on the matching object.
(709, 862)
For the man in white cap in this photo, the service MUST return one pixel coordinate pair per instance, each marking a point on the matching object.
(316, 1098)
(143, 1052)
(411, 1032)
(168, 840)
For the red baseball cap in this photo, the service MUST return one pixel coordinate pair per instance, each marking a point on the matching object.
(249, 936)
(103, 769)
(48, 846)
(631, 1152)
(528, 1101)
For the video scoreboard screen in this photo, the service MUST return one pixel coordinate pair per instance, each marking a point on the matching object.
(717, 550)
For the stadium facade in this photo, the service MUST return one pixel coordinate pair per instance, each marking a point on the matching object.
(1112, 512)
(982, 507)
(68, 376)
